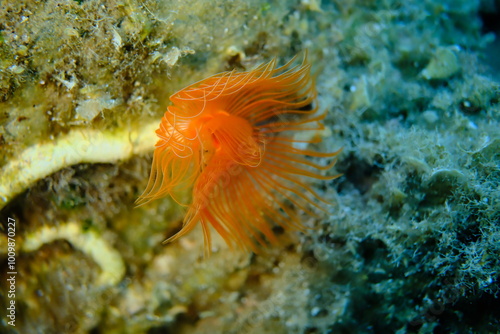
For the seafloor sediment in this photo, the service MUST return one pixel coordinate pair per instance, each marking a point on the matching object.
(411, 244)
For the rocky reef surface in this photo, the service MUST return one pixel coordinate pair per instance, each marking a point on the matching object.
(411, 244)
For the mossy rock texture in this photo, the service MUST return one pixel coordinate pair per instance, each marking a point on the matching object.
(411, 243)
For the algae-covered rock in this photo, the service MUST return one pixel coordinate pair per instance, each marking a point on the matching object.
(443, 64)
(411, 239)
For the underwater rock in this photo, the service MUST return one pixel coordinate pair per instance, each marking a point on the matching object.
(443, 64)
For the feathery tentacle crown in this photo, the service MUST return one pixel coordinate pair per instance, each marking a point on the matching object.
(231, 138)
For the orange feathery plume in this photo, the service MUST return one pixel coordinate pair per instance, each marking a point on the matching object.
(231, 138)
